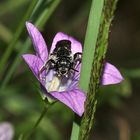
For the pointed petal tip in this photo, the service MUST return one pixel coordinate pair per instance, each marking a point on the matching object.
(80, 113)
(38, 41)
(60, 33)
(28, 24)
(30, 27)
(111, 75)
(23, 56)
(26, 56)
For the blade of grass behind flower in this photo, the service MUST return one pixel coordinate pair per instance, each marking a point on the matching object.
(89, 49)
(90, 43)
(5, 34)
(75, 131)
(87, 122)
(132, 73)
(19, 30)
(43, 18)
(11, 5)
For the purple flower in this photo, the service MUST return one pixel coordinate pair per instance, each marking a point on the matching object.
(6, 131)
(65, 90)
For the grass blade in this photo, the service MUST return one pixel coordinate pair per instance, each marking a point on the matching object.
(75, 130)
(90, 43)
(20, 28)
(11, 5)
(107, 15)
(89, 50)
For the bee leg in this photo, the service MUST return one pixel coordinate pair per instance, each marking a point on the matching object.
(47, 65)
(77, 55)
(77, 58)
(40, 71)
(74, 69)
(44, 67)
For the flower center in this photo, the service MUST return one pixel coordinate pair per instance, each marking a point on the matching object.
(55, 83)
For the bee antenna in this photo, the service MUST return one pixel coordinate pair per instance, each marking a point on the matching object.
(74, 69)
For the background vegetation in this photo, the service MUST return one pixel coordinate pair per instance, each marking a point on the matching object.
(117, 116)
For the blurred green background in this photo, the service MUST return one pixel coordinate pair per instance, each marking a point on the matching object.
(117, 116)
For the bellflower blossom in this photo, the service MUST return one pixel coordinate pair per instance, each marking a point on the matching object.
(6, 131)
(65, 90)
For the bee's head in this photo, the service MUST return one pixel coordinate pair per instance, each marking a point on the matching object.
(63, 67)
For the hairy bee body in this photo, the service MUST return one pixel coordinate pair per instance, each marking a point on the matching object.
(62, 60)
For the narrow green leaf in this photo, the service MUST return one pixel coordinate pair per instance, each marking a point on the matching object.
(75, 131)
(107, 15)
(90, 43)
(11, 5)
(5, 34)
(20, 28)
(89, 50)
(132, 73)
(47, 13)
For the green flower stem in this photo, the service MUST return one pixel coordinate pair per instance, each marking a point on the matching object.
(20, 28)
(109, 7)
(88, 53)
(75, 129)
(36, 124)
(46, 107)
(43, 18)
(90, 43)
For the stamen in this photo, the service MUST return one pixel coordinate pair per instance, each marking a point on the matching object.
(55, 84)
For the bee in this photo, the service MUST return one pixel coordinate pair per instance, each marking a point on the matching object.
(62, 60)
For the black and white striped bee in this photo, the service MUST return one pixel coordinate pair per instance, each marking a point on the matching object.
(62, 60)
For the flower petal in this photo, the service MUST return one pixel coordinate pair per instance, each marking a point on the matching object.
(35, 64)
(6, 131)
(38, 41)
(111, 75)
(75, 45)
(74, 99)
(75, 78)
